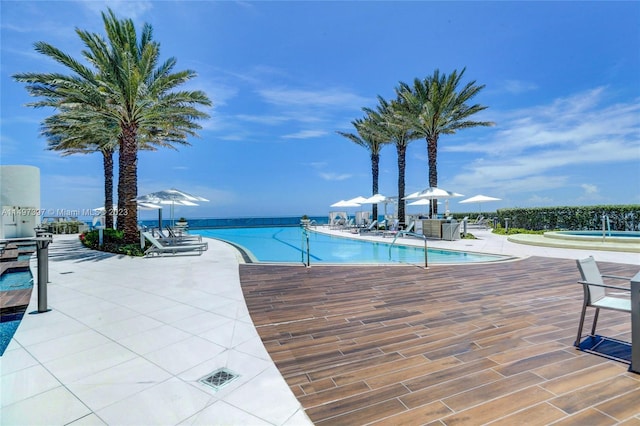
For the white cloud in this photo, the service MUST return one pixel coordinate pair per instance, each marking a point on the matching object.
(517, 87)
(309, 98)
(305, 134)
(589, 189)
(334, 176)
(530, 144)
(122, 8)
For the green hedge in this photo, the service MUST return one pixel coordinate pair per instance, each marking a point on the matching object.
(621, 217)
(112, 242)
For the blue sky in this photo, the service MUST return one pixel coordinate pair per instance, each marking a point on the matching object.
(562, 84)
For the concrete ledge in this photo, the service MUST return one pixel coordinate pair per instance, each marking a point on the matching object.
(543, 241)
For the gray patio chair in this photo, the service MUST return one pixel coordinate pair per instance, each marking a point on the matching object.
(371, 228)
(157, 248)
(598, 295)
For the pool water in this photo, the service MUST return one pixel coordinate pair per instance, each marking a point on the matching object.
(16, 280)
(288, 245)
(8, 325)
(10, 317)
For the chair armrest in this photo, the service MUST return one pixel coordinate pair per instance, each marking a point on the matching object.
(617, 277)
(605, 286)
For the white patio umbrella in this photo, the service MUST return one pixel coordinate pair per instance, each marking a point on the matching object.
(375, 199)
(172, 197)
(480, 199)
(421, 202)
(434, 193)
(358, 200)
(345, 203)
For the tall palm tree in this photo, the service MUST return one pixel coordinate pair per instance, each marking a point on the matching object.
(71, 133)
(130, 87)
(386, 123)
(436, 106)
(373, 144)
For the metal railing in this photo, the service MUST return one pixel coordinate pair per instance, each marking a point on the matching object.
(305, 244)
(412, 234)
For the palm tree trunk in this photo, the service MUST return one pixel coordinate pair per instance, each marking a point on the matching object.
(107, 160)
(128, 184)
(375, 173)
(402, 164)
(432, 154)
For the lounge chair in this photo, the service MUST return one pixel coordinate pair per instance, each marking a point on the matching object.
(371, 228)
(479, 223)
(410, 227)
(182, 237)
(157, 248)
(348, 225)
(393, 229)
(596, 295)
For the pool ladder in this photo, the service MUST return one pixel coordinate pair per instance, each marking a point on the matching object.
(412, 234)
(605, 221)
(305, 239)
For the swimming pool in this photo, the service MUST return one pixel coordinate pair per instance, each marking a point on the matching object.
(613, 236)
(10, 317)
(288, 245)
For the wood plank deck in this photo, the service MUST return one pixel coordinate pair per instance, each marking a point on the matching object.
(459, 344)
(14, 298)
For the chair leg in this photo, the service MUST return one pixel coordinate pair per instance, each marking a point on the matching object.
(584, 311)
(595, 321)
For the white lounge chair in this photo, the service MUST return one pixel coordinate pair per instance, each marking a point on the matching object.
(181, 237)
(157, 248)
(371, 228)
(410, 227)
(479, 223)
(596, 295)
(393, 229)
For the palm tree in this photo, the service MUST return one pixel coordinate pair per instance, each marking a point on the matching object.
(436, 106)
(71, 133)
(386, 123)
(129, 87)
(368, 140)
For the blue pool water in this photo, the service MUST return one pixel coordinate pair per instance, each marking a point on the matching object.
(10, 318)
(16, 280)
(288, 245)
(8, 325)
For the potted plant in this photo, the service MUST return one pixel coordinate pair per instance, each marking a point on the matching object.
(304, 220)
(182, 223)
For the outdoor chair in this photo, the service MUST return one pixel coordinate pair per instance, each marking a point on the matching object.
(393, 229)
(480, 222)
(157, 248)
(411, 226)
(182, 237)
(348, 225)
(598, 294)
(371, 228)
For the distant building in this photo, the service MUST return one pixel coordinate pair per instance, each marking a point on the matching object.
(20, 201)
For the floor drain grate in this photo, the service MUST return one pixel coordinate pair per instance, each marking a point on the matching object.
(219, 378)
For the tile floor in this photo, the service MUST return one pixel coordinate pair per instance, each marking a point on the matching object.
(128, 339)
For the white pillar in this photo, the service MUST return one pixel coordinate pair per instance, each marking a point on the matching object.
(19, 201)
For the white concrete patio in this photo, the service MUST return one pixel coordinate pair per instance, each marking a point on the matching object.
(127, 340)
